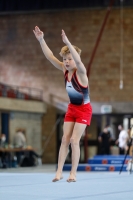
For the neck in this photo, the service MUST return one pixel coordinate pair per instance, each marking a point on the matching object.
(72, 71)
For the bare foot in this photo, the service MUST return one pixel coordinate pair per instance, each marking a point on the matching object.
(72, 178)
(58, 177)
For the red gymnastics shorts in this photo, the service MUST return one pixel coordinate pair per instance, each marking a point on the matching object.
(79, 113)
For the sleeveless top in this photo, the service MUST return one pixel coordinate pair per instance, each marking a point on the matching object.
(77, 93)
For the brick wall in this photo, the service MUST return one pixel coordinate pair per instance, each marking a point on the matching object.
(22, 61)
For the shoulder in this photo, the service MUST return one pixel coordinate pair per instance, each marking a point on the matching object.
(65, 71)
(82, 78)
(124, 132)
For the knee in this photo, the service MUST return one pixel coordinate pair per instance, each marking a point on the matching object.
(74, 141)
(65, 141)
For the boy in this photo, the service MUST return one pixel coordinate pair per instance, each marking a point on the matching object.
(79, 112)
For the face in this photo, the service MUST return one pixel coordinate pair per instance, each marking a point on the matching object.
(105, 130)
(69, 62)
(3, 138)
(119, 127)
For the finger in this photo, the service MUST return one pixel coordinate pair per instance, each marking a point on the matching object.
(34, 32)
(63, 31)
(37, 28)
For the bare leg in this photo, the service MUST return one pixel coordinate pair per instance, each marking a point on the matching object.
(68, 129)
(75, 139)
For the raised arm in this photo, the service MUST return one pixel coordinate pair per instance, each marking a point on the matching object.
(80, 66)
(47, 52)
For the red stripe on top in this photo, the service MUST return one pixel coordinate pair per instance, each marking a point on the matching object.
(79, 82)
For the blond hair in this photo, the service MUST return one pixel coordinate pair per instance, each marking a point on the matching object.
(65, 50)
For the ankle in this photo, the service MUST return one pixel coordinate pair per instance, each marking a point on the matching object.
(73, 173)
(58, 172)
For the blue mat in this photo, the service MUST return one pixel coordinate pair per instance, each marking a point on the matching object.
(89, 186)
(102, 163)
(94, 168)
(107, 161)
(111, 156)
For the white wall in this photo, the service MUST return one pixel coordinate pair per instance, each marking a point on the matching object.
(32, 123)
(22, 105)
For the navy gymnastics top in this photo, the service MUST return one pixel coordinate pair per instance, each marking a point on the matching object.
(77, 93)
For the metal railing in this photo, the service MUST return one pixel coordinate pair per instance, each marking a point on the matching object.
(20, 92)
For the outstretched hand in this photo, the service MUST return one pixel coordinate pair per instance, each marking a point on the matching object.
(38, 33)
(64, 38)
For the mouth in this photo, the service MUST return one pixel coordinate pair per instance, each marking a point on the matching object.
(67, 65)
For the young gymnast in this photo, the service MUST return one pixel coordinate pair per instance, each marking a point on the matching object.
(79, 111)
